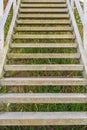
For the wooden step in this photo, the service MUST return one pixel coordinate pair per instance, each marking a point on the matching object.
(52, 21)
(38, 10)
(43, 45)
(43, 118)
(66, 16)
(43, 98)
(44, 36)
(44, 1)
(43, 55)
(52, 29)
(43, 81)
(50, 5)
(46, 67)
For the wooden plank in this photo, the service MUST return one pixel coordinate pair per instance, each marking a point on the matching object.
(1, 32)
(83, 15)
(85, 24)
(50, 5)
(46, 67)
(43, 45)
(66, 16)
(78, 38)
(44, 36)
(43, 118)
(43, 81)
(5, 14)
(52, 29)
(44, 1)
(52, 21)
(43, 98)
(41, 10)
(8, 38)
(43, 55)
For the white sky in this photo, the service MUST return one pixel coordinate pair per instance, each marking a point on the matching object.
(81, 0)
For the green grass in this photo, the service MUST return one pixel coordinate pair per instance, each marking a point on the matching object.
(40, 89)
(7, 25)
(79, 23)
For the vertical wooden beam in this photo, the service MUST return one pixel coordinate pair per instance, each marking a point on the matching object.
(85, 36)
(2, 34)
(14, 7)
(72, 4)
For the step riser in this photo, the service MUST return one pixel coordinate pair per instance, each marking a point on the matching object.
(42, 122)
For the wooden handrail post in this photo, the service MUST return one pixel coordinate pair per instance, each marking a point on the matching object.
(85, 36)
(72, 4)
(14, 6)
(2, 34)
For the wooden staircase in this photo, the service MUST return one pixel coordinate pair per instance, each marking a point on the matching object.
(43, 54)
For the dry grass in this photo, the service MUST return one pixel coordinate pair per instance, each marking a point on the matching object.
(45, 107)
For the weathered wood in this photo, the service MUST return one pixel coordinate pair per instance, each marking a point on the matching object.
(43, 98)
(62, 22)
(72, 4)
(43, 55)
(46, 67)
(52, 29)
(43, 118)
(43, 45)
(43, 1)
(82, 14)
(1, 32)
(44, 36)
(85, 33)
(31, 10)
(43, 5)
(78, 38)
(5, 15)
(8, 38)
(66, 16)
(43, 81)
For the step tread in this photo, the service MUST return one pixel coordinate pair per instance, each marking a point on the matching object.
(46, 67)
(43, 1)
(43, 28)
(43, 45)
(43, 98)
(43, 55)
(42, 10)
(43, 81)
(43, 118)
(22, 15)
(37, 12)
(50, 5)
(45, 36)
(56, 21)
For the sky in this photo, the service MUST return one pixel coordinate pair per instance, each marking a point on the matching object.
(82, 0)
